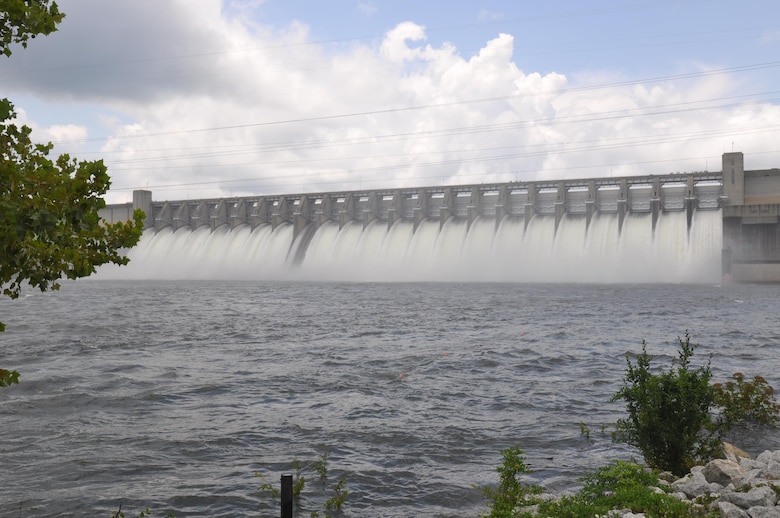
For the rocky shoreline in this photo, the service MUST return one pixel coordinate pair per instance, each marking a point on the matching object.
(738, 486)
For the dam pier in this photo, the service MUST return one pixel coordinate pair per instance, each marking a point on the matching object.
(747, 204)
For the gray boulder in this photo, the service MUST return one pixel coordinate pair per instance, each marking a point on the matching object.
(723, 472)
(695, 484)
(764, 512)
(761, 496)
(729, 510)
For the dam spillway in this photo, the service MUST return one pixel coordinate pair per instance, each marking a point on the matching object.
(660, 228)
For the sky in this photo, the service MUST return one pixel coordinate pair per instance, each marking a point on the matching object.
(219, 98)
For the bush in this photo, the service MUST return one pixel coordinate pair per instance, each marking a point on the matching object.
(747, 401)
(511, 493)
(670, 413)
(620, 485)
(332, 506)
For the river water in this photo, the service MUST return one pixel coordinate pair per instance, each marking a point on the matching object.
(173, 394)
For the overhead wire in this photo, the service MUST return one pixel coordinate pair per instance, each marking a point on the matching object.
(214, 152)
(656, 110)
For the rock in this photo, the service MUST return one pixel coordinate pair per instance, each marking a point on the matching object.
(738, 487)
(624, 513)
(764, 512)
(722, 472)
(772, 469)
(695, 484)
(734, 453)
(749, 464)
(768, 456)
(729, 510)
(754, 477)
(762, 496)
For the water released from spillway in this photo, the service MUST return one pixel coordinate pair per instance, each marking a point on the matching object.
(509, 252)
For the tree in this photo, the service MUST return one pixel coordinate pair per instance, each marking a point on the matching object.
(21, 20)
(50, 225)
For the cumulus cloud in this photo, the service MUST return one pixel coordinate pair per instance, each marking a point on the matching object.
(66, 132)
(200, 103)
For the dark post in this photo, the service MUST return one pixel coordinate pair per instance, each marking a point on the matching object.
(287, 496)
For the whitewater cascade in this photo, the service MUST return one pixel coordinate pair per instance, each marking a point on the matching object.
(450, 252)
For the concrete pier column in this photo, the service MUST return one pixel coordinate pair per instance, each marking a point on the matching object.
(690, 200)
(164, 218)
(302, 216)
(622, 203)
(421, 210)
(239, 214)
(447, 209)
(530, 203)
(143, 200)
(590, 204)
(260, 212)
(280, 215)
(201, 216)
(733, 178)
(474, 209)
(560, 204)
(371, 212)
(396, 210)
(503, 207)
(182, 216)
(655, 201)
(347, 212)
(325, 213)
(220, 215)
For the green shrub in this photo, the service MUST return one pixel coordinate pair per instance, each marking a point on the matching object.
(747, 401)
(619, 485)
(511, 493)
(331, 506)
(670, 413)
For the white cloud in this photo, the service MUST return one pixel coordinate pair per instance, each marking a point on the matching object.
(66, 132)
(212, 106)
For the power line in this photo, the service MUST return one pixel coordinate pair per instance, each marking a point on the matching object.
(666, 109)
(706, 73)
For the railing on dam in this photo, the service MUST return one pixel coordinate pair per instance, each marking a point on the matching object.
(582, 197)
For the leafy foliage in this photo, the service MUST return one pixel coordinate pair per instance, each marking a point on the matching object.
(49, 221)
(50, 226)
(747, 401)
(21, 20)
(511, 493)
(8, 378)
(332, 506)
(669, 413)
(336, 502)
(620, 485)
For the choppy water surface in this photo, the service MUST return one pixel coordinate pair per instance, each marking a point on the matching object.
(171, 395)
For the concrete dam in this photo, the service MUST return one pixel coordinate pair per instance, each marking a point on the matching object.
(690, 227)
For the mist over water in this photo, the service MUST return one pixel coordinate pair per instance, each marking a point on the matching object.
(445, 253)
